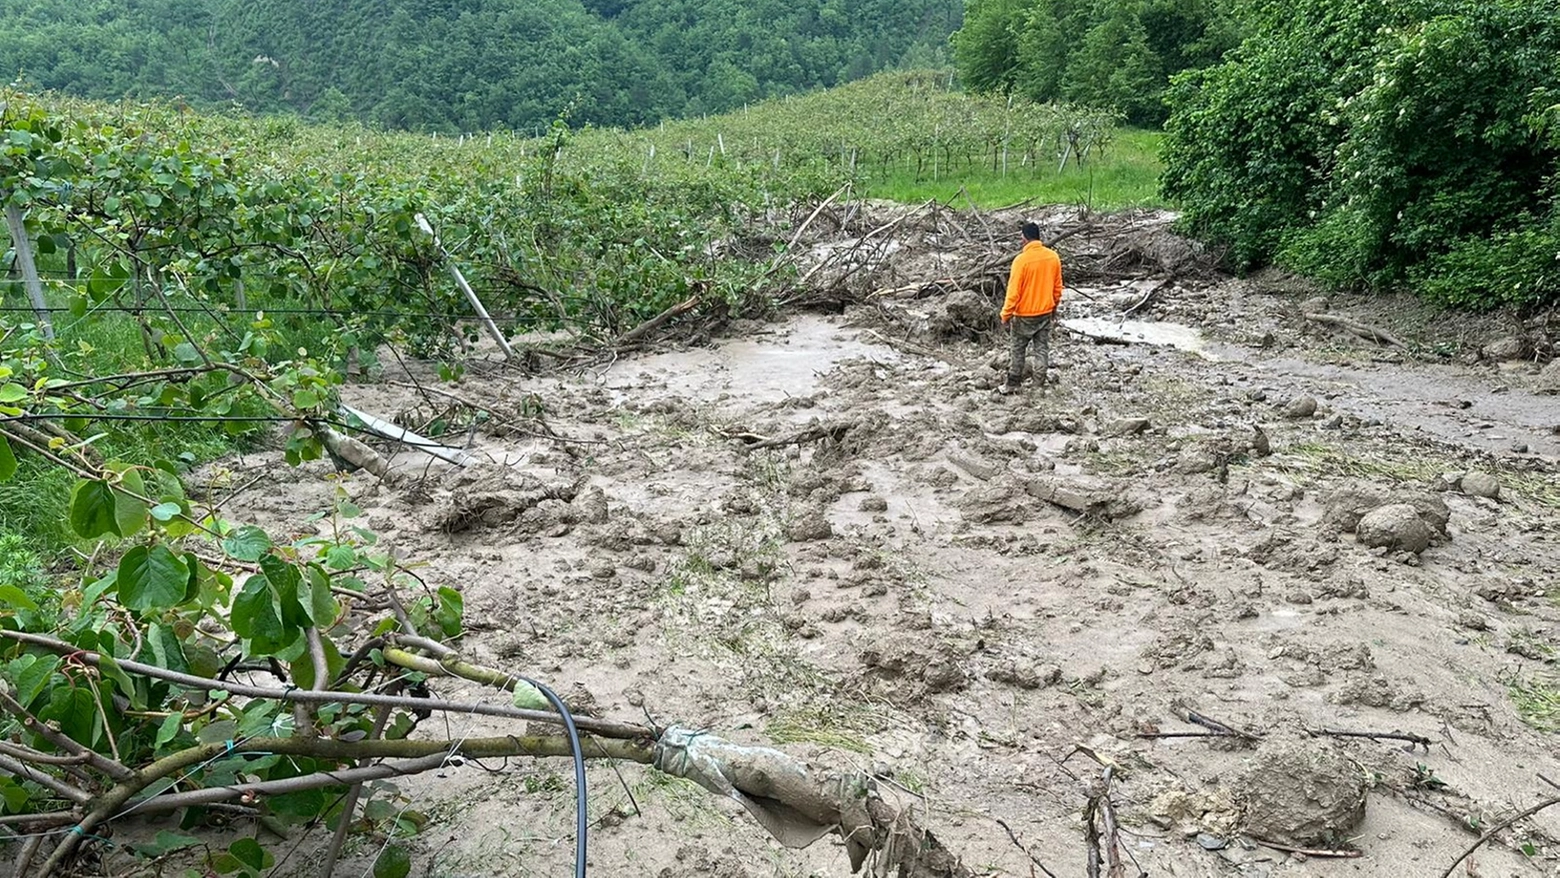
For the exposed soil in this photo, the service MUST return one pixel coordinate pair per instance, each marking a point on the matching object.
(968, 594)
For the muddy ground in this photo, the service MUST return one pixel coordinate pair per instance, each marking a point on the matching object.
(969, 595)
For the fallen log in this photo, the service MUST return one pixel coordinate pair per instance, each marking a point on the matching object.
(1369, 333)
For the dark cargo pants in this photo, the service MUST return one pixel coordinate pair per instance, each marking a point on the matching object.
(1026, 330)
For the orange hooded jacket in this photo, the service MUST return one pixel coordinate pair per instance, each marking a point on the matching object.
(1035, 285)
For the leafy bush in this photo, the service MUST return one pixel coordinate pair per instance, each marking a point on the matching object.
(1375, 144)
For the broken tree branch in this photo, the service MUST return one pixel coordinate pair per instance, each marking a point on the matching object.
(1340, 853)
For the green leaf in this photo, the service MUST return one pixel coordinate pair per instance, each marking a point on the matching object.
(302, 805)
(129, 509)
(32, 674)
(111, 670)
(12, 393)
(393, 862)
(248, 543)
(92, 510)
(165, 843)
(107, 280)
(13, 596)
(187, 354)
(255, 613)
(305, 399)
(169, 729)
(152, 580)
(75, 711)
(286, 579)
(322, 604)
(448, 613)
(341, 558)
(166, 649)
(7, 461)
(165, 512)
(12, 796)
(251, 854)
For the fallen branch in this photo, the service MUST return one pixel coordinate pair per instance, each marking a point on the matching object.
(1209, 722)
(395, 433)
(822, 432)
(1369, 333)
(1412, 739)
(1146, 297)
(633, 336)
(1034, 860)
(1310, 852)
(1485, 838)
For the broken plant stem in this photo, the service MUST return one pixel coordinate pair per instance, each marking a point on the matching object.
(449, 665)
(1034, 860)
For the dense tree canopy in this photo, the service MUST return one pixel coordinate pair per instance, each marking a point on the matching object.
(1378, 143)
(1109, 53)
(457, 65)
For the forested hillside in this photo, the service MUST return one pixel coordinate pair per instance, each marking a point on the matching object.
(1104, 53)
(466, 64)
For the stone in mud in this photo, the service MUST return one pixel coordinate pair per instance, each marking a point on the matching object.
(1305, 793)
(1000, 502)
(1315, 305)
(590, 506)
(810, 526)
(1347, 505)
(1512, 347)
(1300, 408)
(873, 504)
(1125, 427)
(1024, 675)
(1480, 485)
(1088, 496)
(1396, 527)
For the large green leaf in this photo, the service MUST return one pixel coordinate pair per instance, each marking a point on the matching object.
(393, 862)
(75, 711)
(7, 461)
(287, 579)
(248, 543)
(255, 613)
(129, 509)
(152, 579)
(92, 510)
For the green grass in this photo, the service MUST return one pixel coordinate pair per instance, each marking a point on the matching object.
(1126, 176)
(1537, 699)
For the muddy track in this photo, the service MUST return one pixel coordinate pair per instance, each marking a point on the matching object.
(828, 534)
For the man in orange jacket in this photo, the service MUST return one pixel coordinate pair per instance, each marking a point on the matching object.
(1034, 290)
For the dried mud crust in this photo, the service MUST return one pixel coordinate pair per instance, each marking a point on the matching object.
(808, 536)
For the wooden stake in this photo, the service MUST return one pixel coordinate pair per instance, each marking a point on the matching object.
(24, 261)
(471, 295)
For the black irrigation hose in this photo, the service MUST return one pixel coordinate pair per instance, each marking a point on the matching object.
(581, 822)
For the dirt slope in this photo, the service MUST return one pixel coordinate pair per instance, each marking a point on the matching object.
(969, 594)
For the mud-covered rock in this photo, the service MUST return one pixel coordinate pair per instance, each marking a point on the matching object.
(1282, 549)
(1300, 408)
(1396, 526)
(810, 526)
(1511, 347)
(1025, 675)
(1478, 484)
(1125, 427)
(910, 667)
(590, 506)
(1085, 495)
(485, 497)
(1306, 793)
(997, 502)
(964, 315)
(1549, 378)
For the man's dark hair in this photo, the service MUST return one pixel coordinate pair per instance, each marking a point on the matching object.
(1031, 232)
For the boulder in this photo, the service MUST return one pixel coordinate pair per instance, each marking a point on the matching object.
(1396, 526)
(1305, 793)
(1480, 485)
(1549, 378)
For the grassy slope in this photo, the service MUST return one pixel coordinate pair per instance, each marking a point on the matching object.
(1126, 176)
